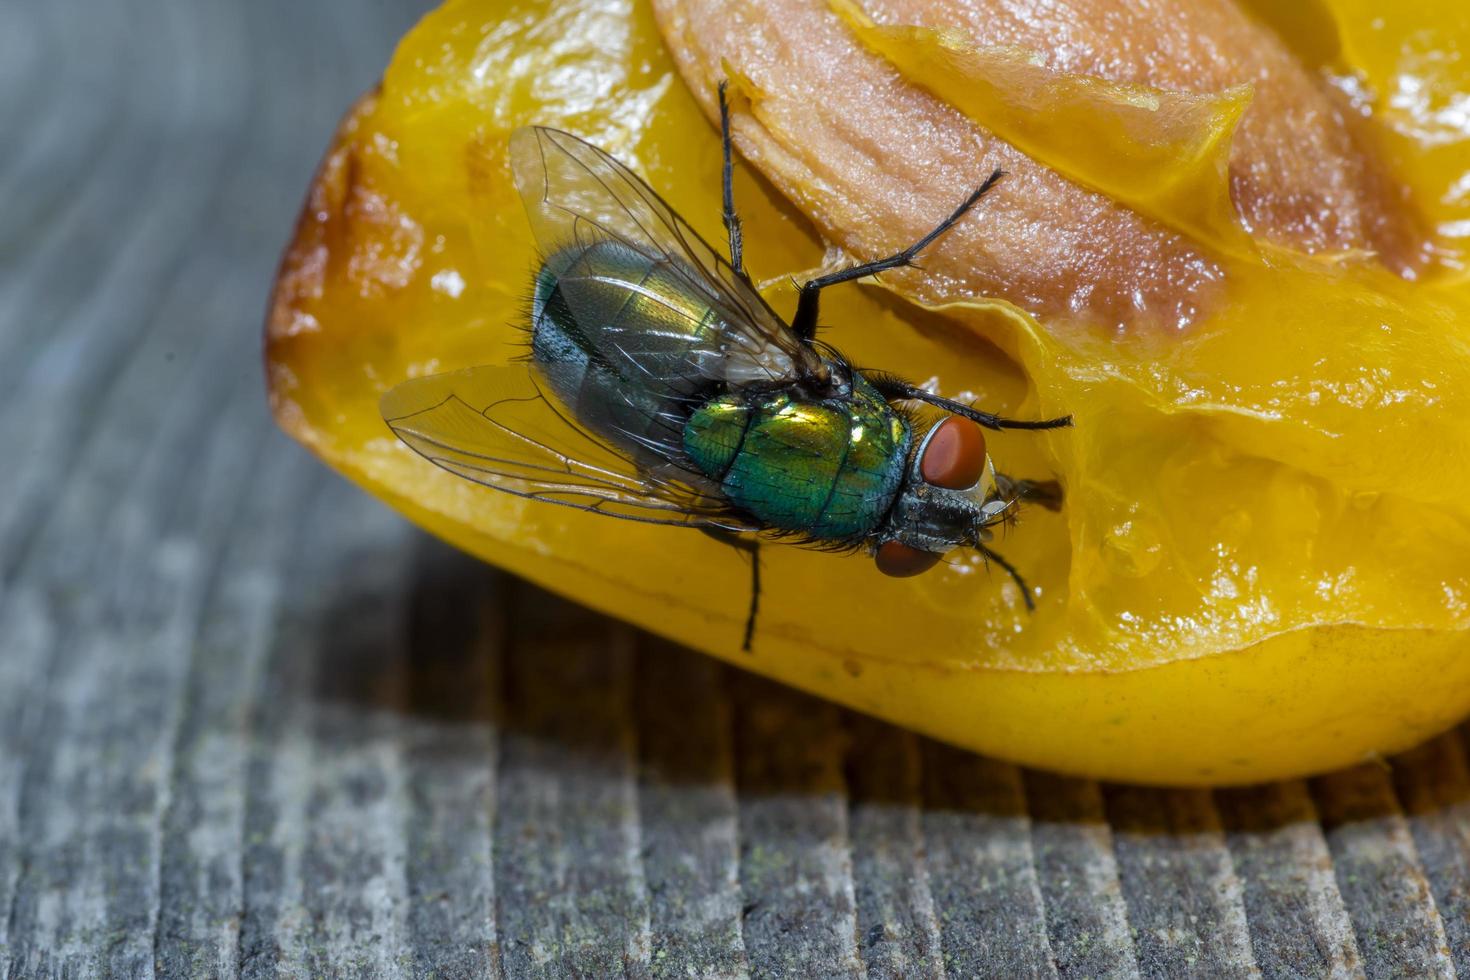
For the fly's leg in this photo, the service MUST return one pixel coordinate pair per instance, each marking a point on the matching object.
(1015, 576)
(732, 220)
(805, 321)
(751, 547)
(755, 593)
(896, 389)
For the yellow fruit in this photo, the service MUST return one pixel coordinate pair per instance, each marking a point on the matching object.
(1263, 568)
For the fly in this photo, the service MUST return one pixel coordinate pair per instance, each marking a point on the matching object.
(661, 387)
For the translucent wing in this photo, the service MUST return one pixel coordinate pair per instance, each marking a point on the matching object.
(496, 426)
(576, 195)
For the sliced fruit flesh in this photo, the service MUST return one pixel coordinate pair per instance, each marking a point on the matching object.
(1264, 561)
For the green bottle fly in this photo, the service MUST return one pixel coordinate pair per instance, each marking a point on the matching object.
(662, 388)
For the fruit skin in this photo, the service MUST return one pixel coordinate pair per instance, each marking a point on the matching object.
(412, 256)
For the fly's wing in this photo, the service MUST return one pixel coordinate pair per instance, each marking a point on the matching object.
(495, 426)
(576, 195)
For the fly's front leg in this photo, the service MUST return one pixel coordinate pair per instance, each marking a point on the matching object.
(896, 389)
(751, 547)
(732, 220)
(805, 321)
(1015, 576)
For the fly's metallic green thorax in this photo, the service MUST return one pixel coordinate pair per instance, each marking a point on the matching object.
(829, 468)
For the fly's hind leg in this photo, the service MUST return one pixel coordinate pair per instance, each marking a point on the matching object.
(751, 547)
(727, 180)
(755, 592)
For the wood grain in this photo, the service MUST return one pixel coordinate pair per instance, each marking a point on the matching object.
(252, 725)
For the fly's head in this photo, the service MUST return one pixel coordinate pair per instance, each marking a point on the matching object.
(950, 497)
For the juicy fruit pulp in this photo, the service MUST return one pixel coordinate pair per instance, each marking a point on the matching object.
(1263, 566)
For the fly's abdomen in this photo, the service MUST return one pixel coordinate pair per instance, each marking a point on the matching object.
(635, 315)
(829, 468)
(615, 332)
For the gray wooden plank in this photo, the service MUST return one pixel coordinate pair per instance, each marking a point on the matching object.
(325, 881)
(24, 43)
(1434, 789)
(90, 831)
(200, 887)
(982, 872)
(569, 884)
(203, 920)
(1185, 902)
(1299, 926)
(354, 867)
(1398, 928)
(1086, 917)
(148, 493)
(795, 864)
(88, 290)
(317, 796)
(458, 635)
(56, 126)
(898, 929)
(29, 632)
(273, 917)
(103, 288)
(113, 363)
(686, 799)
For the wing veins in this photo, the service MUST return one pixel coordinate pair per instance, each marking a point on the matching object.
(729, 293)
(569, 465)
(547, 496)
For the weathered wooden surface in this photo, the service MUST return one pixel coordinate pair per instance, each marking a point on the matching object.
(253, 725)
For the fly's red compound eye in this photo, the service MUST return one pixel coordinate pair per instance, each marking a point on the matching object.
(901, 561)
(954, 455)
